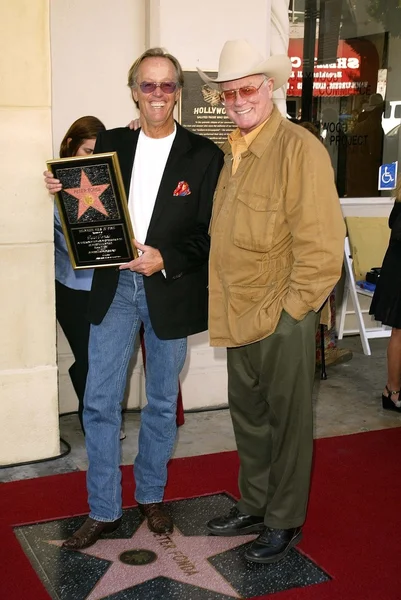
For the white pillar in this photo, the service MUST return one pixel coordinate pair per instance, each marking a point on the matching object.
(96, 86)
(279, 39)
(28, 373)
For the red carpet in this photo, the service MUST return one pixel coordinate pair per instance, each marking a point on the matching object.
(352, 529)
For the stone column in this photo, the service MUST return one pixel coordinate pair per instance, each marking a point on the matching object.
(279, 39)
(28, 374)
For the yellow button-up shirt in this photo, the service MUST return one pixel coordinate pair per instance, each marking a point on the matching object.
(240, 143)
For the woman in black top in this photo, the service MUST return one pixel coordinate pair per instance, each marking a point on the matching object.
(386, 306)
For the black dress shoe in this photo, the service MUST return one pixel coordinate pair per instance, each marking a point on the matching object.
(273, 544)
(89, 533)
(235, 523)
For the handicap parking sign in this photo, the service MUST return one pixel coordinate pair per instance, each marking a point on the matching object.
(388, 176)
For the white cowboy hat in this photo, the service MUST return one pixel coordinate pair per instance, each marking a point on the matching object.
(239, 59)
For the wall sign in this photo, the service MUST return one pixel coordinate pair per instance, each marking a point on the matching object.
(354, 71)
(200, 109)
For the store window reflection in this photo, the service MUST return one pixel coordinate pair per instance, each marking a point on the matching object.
(356, 101)
(296, 11)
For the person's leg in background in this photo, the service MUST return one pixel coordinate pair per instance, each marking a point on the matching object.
(391, 393)
(71, 308)
(333, 354)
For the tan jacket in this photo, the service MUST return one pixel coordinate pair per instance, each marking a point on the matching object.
(277, 234)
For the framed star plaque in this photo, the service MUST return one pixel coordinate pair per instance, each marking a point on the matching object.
(94, 210)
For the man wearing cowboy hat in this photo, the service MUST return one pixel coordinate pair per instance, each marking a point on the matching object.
(276, 253)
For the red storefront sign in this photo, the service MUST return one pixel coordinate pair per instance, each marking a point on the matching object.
(354, 72)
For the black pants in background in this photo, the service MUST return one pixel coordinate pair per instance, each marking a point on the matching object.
(71, 308)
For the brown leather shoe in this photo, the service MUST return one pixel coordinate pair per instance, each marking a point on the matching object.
(159, 521)
(89, 533)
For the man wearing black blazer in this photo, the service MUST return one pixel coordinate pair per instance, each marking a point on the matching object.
(169, 175)
(177, 299)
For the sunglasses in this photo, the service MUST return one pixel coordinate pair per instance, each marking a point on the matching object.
(148, 87)
(246, 92)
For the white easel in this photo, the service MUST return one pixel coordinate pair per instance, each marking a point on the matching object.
(352, 290)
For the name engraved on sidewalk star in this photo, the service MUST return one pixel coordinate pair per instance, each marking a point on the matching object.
(179, 557)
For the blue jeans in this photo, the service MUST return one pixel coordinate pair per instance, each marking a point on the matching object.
(111, 346)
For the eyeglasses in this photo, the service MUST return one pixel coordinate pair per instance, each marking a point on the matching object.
(246, 92)
(148, 87)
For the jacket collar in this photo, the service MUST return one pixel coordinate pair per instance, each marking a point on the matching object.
(262, 140)
(181, 145)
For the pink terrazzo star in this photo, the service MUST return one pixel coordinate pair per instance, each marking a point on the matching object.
(88, 195)
(179, 557)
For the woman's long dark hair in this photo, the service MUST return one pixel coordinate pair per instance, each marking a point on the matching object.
(84, 128)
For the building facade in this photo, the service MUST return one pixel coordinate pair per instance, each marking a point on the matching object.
(67, 58)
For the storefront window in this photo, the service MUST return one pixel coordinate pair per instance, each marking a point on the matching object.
(356, 97)
(297, 11)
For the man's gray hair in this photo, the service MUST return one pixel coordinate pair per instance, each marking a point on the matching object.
(155, 53)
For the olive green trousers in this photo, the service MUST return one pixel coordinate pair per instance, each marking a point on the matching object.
(270, 398)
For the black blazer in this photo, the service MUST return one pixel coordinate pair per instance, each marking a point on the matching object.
(178, 228)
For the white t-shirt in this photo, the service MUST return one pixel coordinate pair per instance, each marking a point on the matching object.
(149, 164)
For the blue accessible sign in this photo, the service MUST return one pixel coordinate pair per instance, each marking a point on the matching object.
(388, 176)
